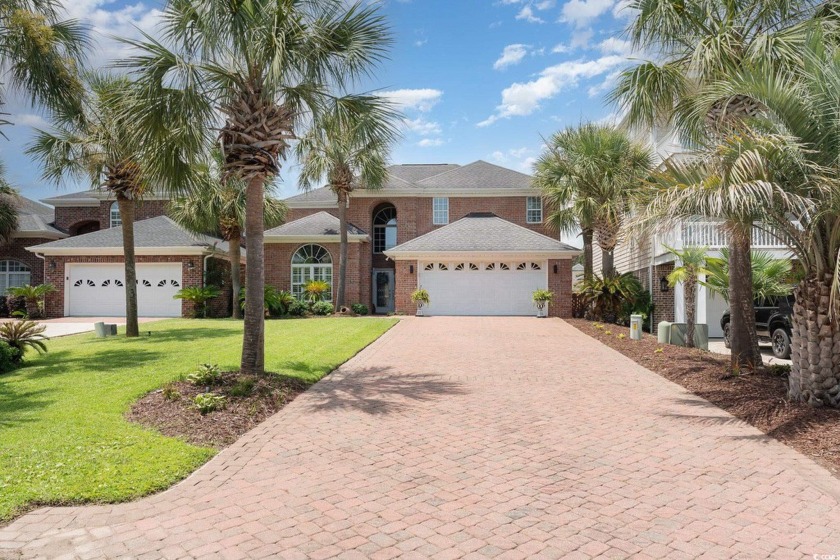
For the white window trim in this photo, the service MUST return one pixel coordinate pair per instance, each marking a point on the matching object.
(528, 210)
(445, 220)
(114, 222)
(6, 274)
(308, 273)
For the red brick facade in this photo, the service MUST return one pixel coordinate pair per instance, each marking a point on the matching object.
(16, 250)
(663, 301)
(54, 272)
(71, 218)
(278, 268)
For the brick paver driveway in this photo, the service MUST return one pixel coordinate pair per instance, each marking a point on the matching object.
(475, 437)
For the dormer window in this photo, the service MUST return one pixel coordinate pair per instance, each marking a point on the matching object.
(116, 220)
(440, 211)
(533, 210)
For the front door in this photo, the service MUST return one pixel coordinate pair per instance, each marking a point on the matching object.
(383, 291)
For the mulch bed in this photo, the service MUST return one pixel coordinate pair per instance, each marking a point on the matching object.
(178, 416)
(758, 398)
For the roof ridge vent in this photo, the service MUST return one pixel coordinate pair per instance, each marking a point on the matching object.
(481, 215)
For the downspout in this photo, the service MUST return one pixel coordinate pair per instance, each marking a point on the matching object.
(650, 280)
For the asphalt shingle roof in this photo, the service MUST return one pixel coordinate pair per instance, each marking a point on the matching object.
(482, 233)
(433, 177)
(320, 223)
(34, 217)
(161, 231)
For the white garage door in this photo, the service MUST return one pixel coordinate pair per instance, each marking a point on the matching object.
(475, 288)
(98, 290)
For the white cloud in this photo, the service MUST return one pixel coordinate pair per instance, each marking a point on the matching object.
(106, 22)
(520, 99)
(527, 13)
(545, 5)
(581, 38)
(581, 12)
(431, 142)
(604, 86)
(414, 99)
(30, 119)
(522, 159)
(422, 127)
(512, 54)
(614, 45)
(560, 48)
(420, 42)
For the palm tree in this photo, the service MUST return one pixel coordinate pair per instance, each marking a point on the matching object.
(40, 54)
(800, 109)
(262, 64)
(98, 145)
(8, 207)
(771, 277)
(219, 209)
(692, 265)
(697, 42)
(348, 146)
(587, 175)
(732, 183)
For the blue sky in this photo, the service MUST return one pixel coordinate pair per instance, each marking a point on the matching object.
(476, 79)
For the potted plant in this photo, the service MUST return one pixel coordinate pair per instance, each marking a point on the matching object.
(541, 299)
(420, 298)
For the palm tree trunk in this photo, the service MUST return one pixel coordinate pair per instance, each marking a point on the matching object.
(126, 206)
(235, 254)
(607, 262)
(342, 258)
(33, 310)
(815, 348)
(743, 336)
(690, 287)
(253, 340)
(587, 253)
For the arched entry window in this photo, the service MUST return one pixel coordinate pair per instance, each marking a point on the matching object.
(384, 229)
(311, 262)
(12, 275)
(116, 220)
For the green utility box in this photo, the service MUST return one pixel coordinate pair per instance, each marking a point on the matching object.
(674, 333)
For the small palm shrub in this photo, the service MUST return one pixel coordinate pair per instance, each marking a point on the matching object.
(34, 297)
(607, 296)
(322, 308)
(21, 335)
(206, 374)
(199, 295)
(360, 309)
(208, 402)
(277, 302)
(316, 290)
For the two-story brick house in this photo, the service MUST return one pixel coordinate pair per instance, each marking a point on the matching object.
(473, 236)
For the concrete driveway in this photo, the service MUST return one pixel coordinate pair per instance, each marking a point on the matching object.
(475, 438)
(717, 346)
(75, 325)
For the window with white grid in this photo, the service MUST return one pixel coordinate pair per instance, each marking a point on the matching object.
(534, 210)
(440, 211)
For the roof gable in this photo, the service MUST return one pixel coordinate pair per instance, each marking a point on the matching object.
(478, 175)
(483, 233)
(317, 224)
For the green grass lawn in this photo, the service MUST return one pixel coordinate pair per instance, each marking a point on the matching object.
(63, 438)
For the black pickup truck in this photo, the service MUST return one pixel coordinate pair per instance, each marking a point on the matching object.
(772, 323)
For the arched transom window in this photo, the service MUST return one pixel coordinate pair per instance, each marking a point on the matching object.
(12, 275)
(116, 220)
(384, 229)
(311, 262)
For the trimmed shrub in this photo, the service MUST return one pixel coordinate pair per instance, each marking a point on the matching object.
(297, 309)
(322, 308)
(208, 402)
(9, 357)
(360, 309)
(206, 374)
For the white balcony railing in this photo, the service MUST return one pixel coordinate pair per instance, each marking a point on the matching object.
(710, 234)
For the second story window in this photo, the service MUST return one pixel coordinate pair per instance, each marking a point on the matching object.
(116, 220)
(534, 210)
(440, 211)
(384, 229)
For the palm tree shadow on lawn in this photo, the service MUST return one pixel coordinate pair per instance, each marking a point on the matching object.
(379, 391)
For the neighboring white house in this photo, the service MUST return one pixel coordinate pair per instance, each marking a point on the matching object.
(648, 258)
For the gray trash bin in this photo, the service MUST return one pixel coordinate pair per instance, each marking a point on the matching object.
(636, 327)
